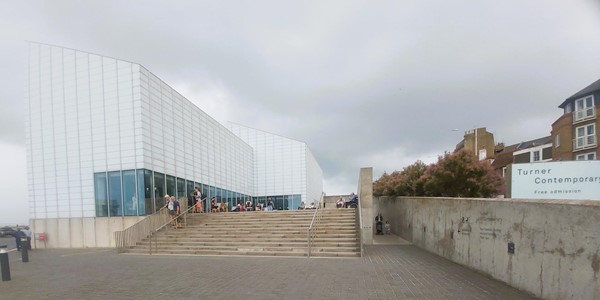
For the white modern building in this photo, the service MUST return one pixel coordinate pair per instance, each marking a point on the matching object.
(107, 139)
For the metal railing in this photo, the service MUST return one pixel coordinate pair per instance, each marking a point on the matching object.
(584, 114)
(171, 221)
(144, 228)
(135, 233)
(583, 142)
(311, 232)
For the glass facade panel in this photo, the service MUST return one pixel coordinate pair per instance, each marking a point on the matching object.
(218, 195)
(141, 193)
(159, 191)
(213, 192)
(130, 201)
(148, 191)
(190, 191)
(101, 195)
(171, 186)
(114, 194)
(181, 193)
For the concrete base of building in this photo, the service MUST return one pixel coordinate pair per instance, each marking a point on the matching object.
(78, 232)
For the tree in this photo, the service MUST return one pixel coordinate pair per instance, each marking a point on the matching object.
(461, 174)
(457, 174)
(404, 183)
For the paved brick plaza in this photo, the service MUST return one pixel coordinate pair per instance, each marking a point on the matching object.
(388, 271)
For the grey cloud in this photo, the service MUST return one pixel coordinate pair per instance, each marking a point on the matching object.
(350, 78)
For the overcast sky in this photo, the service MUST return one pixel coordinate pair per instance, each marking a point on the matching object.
(365, 83)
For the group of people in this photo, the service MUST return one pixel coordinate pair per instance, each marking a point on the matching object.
(303, 206)
(244, 206)
(342, 202)
(248, 206)
(380, 227)
(174, 208)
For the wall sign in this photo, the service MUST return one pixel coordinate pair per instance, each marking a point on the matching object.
(574, 180)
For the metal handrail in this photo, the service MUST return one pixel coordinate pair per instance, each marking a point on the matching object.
(144, 228)
(130, 236)
(312, 229)
(152, 233)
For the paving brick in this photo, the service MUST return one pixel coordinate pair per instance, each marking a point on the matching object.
(385, 272)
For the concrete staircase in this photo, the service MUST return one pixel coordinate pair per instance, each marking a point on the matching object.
(277, 233)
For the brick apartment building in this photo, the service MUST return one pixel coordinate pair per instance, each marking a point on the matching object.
(574, 134)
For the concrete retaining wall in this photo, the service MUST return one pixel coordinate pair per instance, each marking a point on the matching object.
(556, 242)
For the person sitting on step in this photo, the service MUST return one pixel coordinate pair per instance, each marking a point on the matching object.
(213, 205)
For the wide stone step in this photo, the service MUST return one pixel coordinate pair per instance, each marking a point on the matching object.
(244, 252)
(248, 252)
(287, 243)
(264, 215)
(251, 248)
(339, 239)
(270, 220)
(237, 235)
(281, 228)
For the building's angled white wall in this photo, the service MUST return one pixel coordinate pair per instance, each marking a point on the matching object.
(180, 139)
(314, 175)
(282, 166)
(81, 118)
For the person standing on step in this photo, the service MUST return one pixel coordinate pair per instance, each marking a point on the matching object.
(270, 204)
(177, 211)
(197, 200)
(171, 207)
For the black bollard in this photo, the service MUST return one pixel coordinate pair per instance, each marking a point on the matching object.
(24, 250)
(4, 263)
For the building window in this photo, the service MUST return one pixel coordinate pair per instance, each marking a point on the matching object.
(115, 199)
(557, 141)
(536, 155)
(547, 153)
(159, 191)
(130, 201)
(144, 187)
(171, 186)
(101, 195)
(584, 109)
(586, 156)
(585, 137)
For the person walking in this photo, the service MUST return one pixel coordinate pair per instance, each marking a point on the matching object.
(27, 233)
